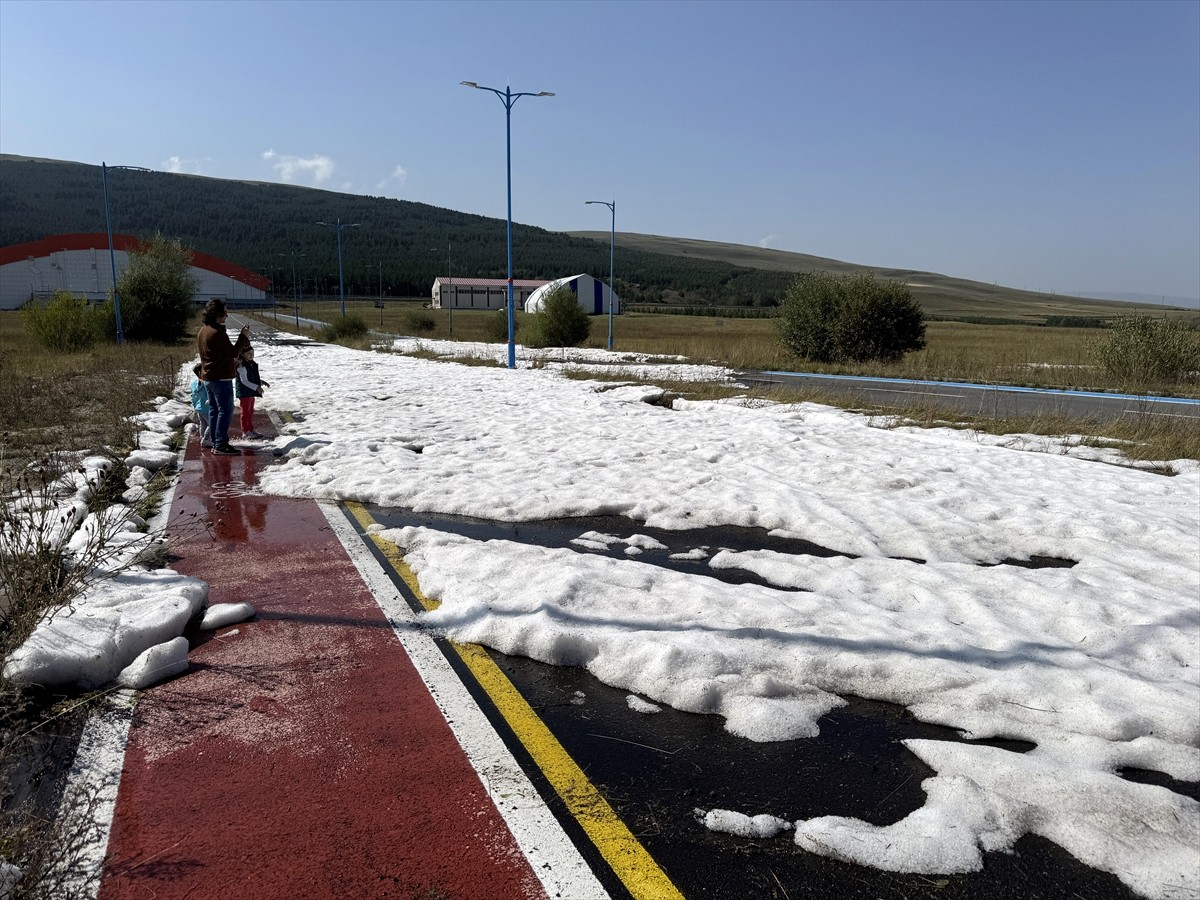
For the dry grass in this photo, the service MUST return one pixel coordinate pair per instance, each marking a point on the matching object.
(477, 361)
(50, 403)
(1023, 355)
(1142, 438)
(84, 401)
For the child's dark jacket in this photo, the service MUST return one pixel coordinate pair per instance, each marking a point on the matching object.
(248, 384)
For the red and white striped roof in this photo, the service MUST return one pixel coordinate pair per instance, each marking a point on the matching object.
(56, 243)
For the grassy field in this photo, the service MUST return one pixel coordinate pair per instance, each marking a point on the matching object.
(1024, 355)
(50, 401)
(940, 295)
(81, 401)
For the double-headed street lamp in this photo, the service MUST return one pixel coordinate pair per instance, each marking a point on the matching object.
(612, 255)
(295, 293)
(508, 98)
(112, 256)
(450, 278)
(339, 225)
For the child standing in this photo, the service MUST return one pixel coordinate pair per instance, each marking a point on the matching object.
(248, 386)
(200, 405)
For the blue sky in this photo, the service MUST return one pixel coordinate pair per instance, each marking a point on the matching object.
(1041, 145)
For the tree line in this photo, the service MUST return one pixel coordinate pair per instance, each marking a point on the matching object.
(261, 225)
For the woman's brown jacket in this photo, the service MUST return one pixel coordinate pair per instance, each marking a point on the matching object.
(218, 356)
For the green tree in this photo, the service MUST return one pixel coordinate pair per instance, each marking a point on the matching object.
(495, 328)
(156, 291)
(348, 327)
(66, 324)
(561, 322)
(1140, 350)
(839, 318)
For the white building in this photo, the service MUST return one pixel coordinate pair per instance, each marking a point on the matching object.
(80, 264)
(594, 296)
(480, 293)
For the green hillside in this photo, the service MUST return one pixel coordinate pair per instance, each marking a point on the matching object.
(259, 224)
(253, 223)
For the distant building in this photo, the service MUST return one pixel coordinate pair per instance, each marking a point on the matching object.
(480, 293)
(594, 296)
(80, 264)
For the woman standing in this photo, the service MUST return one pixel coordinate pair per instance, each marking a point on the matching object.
(218, 367)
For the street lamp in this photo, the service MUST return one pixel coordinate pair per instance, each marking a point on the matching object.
(450, 278)
(295, 293)
(612, 255)
(508, 98)
(112, 256)
(339, 226)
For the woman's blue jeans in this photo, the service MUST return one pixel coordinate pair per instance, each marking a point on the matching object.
(220, 401)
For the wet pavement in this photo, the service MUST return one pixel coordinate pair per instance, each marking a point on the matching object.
(656, 770)
(301, 754)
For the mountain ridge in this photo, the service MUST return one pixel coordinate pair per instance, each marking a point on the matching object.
(267, 226)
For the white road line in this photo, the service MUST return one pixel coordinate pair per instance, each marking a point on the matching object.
(96, 772)
(100, 756)
(875, 390)
(1144, 412)
(551, 853)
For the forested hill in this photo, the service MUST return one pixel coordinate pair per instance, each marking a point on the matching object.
(258, 225)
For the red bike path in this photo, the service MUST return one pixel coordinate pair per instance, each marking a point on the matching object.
(301, 755)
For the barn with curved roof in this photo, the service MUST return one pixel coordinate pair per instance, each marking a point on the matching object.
(80, 264)
(593, 295)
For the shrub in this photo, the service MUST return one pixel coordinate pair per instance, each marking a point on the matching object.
(156, 292)
(420, 323)
(495, 328)
(561, 322)
(348, 326)
(1140, 350)
(835, 318)
(65, 325)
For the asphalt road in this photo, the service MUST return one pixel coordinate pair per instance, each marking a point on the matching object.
(991, 400)
(655, 771)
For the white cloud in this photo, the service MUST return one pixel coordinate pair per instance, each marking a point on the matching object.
(179, 165)
(318, 167)
(400, 174)
(763, 242)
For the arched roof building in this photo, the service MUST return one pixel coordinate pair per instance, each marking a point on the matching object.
(593, 295)
(80, 264)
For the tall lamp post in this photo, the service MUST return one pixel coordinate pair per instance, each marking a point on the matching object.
(612, 255)
(450, 278)
(508, 98)
(295, 293)
(112, 256)
(339, 226)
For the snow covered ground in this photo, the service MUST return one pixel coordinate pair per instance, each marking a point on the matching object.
(1096, 664)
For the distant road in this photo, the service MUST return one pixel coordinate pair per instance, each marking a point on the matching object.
(993, 400)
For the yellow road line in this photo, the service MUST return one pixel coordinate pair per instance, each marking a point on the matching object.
(638, 871)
